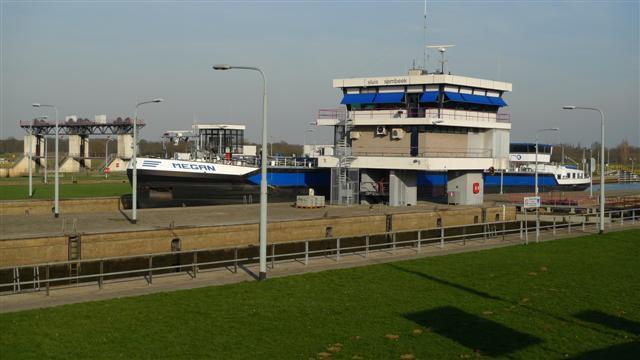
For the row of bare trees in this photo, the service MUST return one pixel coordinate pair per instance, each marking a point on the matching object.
(622, 154)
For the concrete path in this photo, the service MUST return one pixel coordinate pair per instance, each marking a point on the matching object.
(172, 282)
(20, 226)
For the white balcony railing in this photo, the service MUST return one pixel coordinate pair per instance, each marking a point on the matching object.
(444, 114)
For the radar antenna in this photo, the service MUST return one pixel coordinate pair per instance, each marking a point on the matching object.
(441, 49)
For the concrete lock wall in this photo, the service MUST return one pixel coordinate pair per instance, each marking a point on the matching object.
(33, 251)
(40, 207)
(94, 246)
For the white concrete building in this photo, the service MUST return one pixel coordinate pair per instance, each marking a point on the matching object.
(392, 128)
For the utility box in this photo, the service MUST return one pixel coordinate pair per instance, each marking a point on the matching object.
(465, 188)
(403, 188)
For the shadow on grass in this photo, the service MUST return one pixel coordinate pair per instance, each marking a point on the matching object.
(473, 332)
(610, 321)
(448, 283)
(629, 350)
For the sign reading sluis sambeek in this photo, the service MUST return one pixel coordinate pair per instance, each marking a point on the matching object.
(394, 81)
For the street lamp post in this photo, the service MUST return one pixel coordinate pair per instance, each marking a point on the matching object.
(536, 180)
(134, 182)
(602, 193)
(30, 160)
(263, 165)
(46, 159)
(56, 206)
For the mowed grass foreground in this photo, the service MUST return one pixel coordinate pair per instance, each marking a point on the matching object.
(573, 298)
(67, 190)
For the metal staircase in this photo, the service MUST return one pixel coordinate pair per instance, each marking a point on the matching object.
(344, 179)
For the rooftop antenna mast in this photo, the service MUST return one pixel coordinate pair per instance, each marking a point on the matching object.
(441, 49)
(424, 38)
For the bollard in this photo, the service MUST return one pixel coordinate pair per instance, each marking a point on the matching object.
(101, 279)
(235, 260)
(633, 216)
(306, 253)
(419, 240)
(338, 249)
(621, 218)
(554, 225)
(569, 223)
(366, 247)
(583, 225)
(504, 229)
(441, 238)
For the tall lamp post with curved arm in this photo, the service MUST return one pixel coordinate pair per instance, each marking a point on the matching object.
(134, 176)
(56, 206)
(602, 194)
(263, 166)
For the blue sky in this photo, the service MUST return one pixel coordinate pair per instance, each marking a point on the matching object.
(100, 57)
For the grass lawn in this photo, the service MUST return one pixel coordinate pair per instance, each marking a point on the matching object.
(574, 298)
(67, 190)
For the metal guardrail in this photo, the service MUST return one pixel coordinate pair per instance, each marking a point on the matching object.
(329, 248)
(404, 113)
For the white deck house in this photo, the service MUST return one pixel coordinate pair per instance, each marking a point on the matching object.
(394, 127)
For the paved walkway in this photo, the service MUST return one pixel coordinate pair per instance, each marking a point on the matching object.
(20, 226)
(172, 282)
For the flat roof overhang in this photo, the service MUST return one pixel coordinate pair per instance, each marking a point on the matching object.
(428, 79)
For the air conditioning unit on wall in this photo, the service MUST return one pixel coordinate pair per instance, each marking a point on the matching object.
(397, 133)
(381, 131)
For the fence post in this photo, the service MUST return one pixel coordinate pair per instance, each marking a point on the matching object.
(441, 238)
(520, 229)
(569, 222)
(101, 280)
(235, 260)
(504, 228)
(393, 246)
(621, 218)
(47, 273)
(273, 255)
(554, 225)
(150, 281)
(306, 253)
(419, 240)
(584, 224)
(195, 264)
(366, 247)
(338, 249)
(633, 216)
(610, 219)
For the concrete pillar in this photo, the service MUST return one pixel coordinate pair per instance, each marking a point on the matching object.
(125, 146)
(403, 188)
(74, 145)
(465, 187)
(84, 151)
(33, 143)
